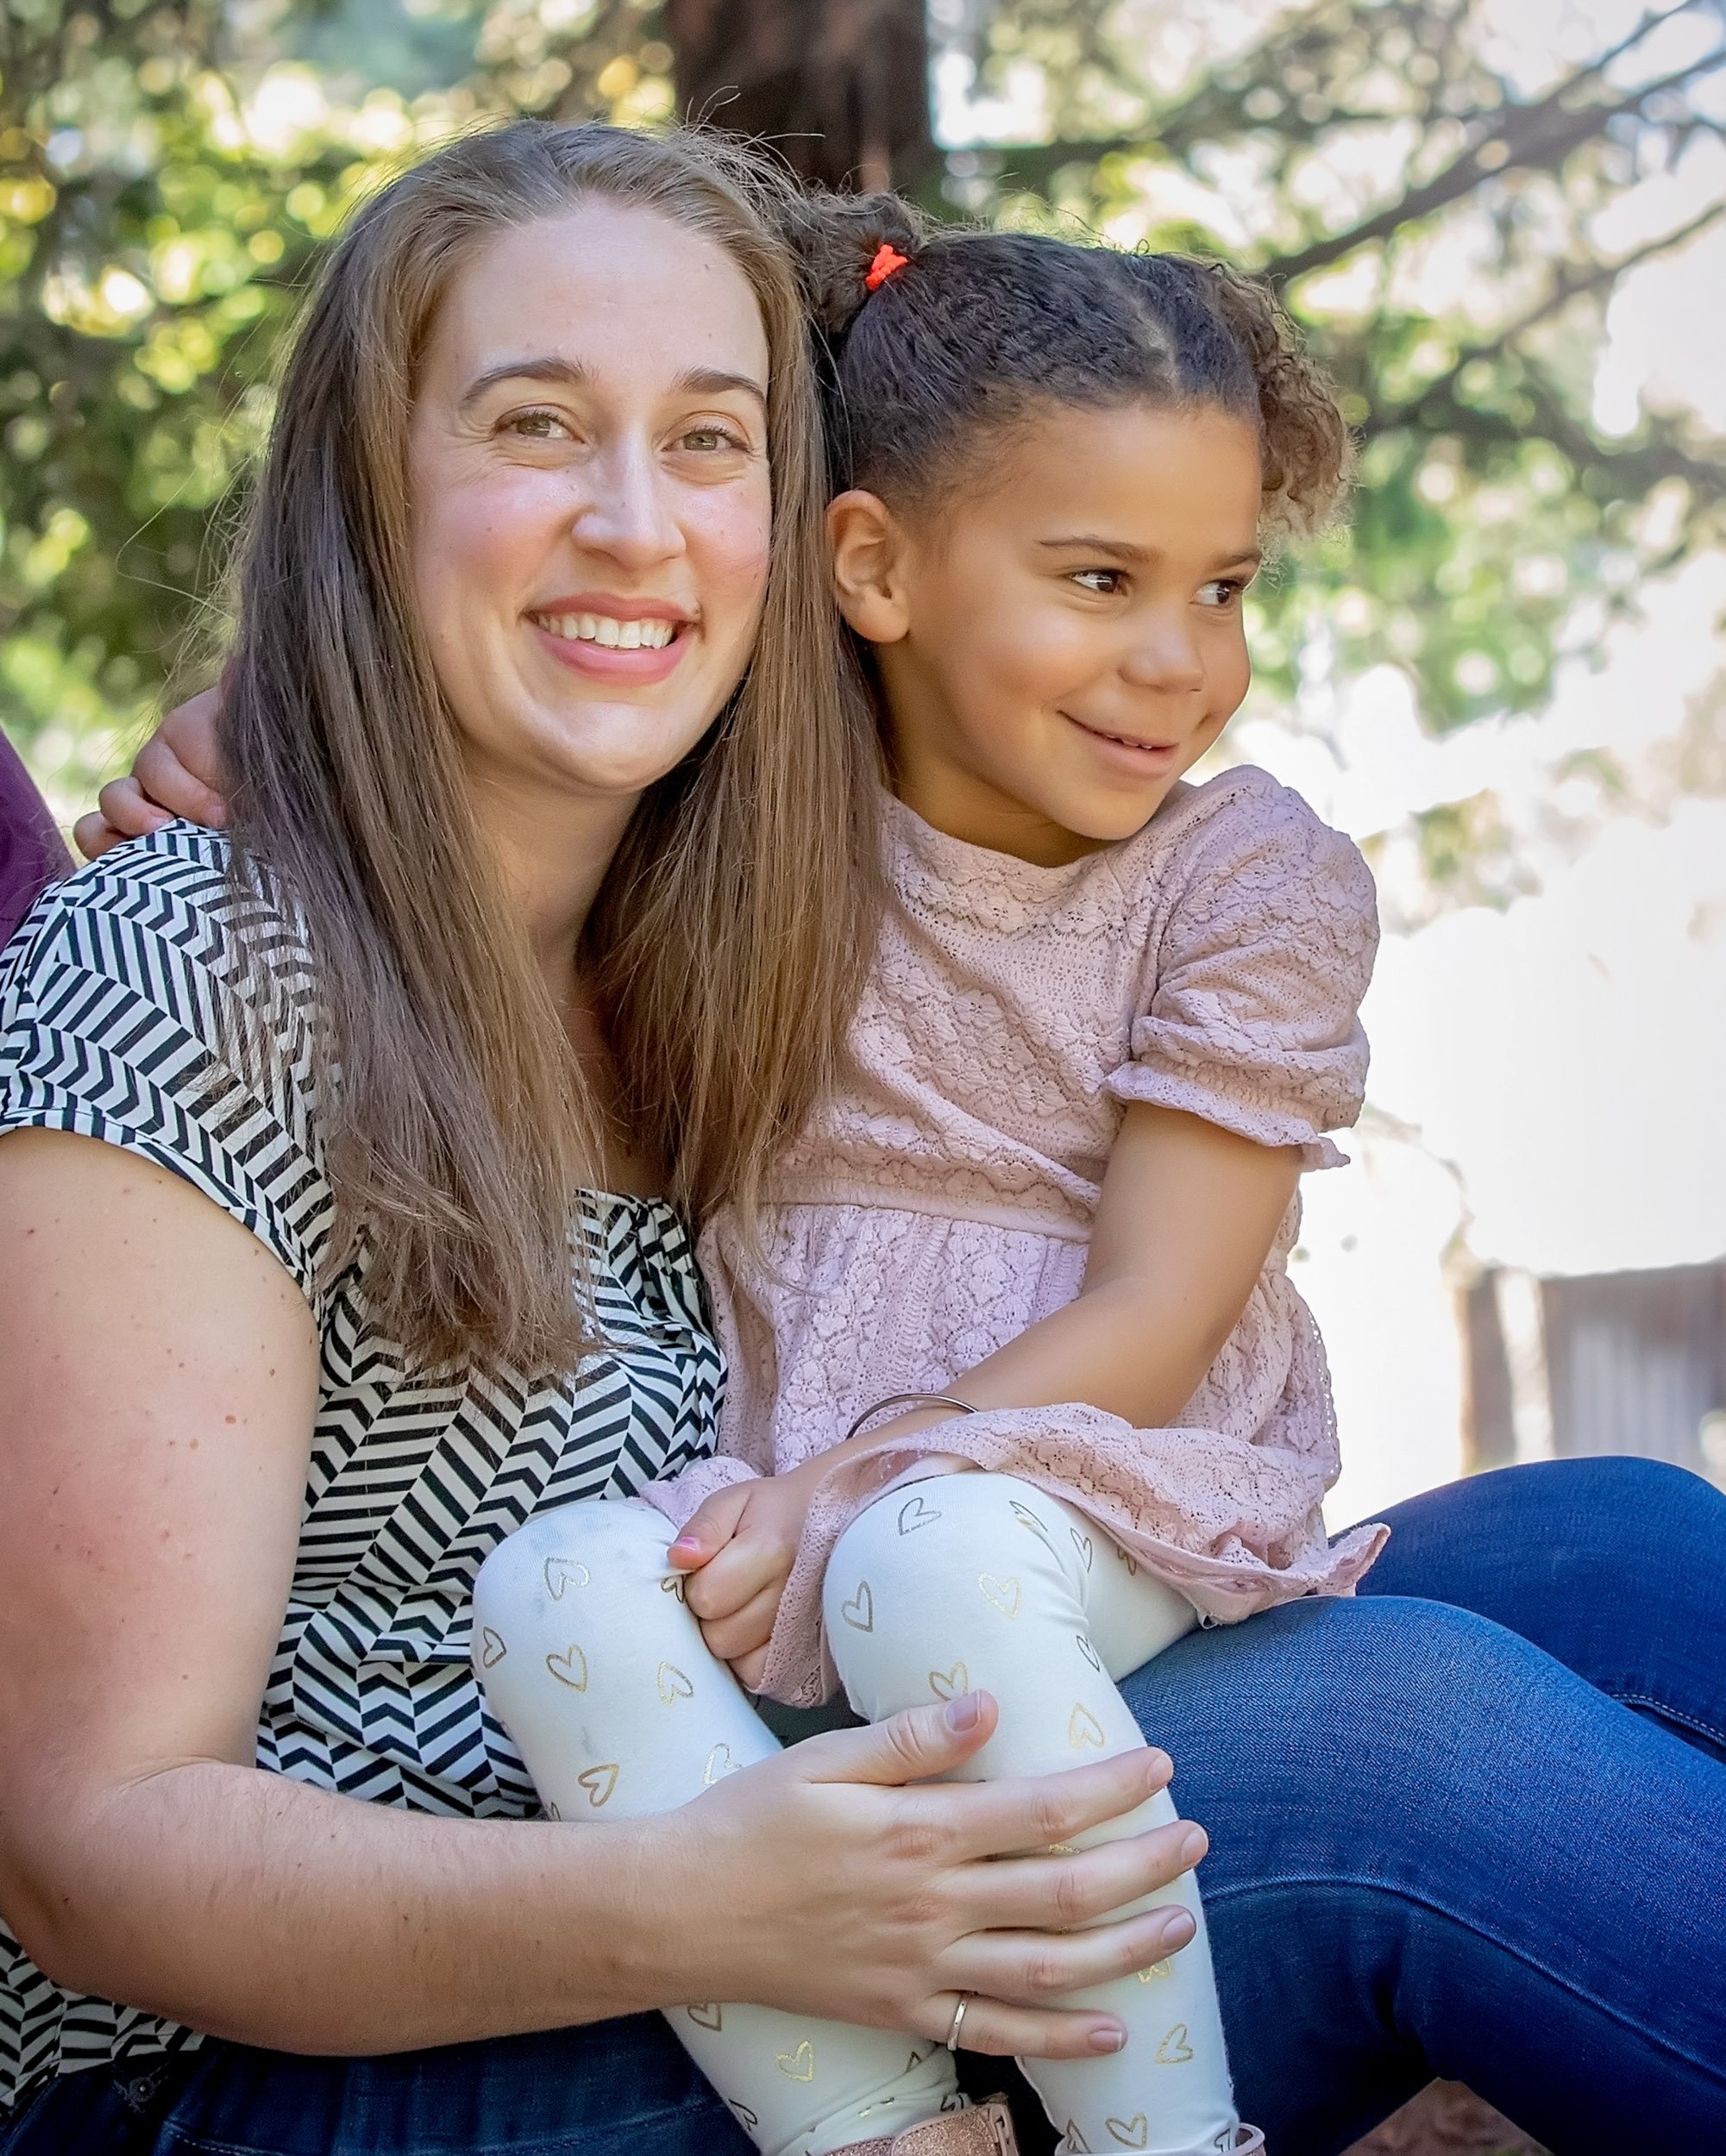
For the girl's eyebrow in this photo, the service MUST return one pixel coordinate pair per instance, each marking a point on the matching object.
(1126, 550)
(700, 381)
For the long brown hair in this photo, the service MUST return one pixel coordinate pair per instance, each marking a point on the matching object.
(728, 943)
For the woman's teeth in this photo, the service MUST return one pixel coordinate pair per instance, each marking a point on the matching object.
(602, 629)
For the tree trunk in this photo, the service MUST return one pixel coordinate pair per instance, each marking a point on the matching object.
(839, 88)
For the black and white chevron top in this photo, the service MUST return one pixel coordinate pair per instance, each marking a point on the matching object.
(111, 1005)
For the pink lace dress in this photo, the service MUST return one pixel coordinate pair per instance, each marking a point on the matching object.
(942, 1200)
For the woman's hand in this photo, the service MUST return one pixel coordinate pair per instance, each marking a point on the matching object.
(176, 773)
(739, 1547)
(838, 1880)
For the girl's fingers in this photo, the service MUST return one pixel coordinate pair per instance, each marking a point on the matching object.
(744, 1630)
(1005, 2031)
(172, 787)
(709, 1527)
(728, 1583)
(93, 835)
(1037, 1969)
(127, 809)
(1058, 1893)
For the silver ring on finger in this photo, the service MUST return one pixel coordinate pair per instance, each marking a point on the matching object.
(958, 2021)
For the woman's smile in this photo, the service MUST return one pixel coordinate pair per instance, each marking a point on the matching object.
(612, 639)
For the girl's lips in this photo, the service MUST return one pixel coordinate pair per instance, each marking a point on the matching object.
(611, 662)
(1141, 759)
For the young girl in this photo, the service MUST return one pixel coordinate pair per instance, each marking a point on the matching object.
(1020, 1390)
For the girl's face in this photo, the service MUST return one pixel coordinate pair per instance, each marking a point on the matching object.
(1057, 649)
(588, 462)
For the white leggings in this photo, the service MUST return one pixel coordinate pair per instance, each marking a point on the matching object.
(971, 1581)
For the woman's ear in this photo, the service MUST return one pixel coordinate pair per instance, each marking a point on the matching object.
(869, 565)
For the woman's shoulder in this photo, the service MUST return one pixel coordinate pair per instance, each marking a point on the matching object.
(165, 902)
(156, 1002)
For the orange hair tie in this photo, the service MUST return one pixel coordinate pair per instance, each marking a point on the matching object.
(886, 260)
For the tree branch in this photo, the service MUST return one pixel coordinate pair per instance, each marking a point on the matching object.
(1531, 137)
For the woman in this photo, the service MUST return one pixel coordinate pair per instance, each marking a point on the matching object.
(1499, 1872)
(301, 1133)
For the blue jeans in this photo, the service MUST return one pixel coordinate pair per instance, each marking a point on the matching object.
(1471, 1823)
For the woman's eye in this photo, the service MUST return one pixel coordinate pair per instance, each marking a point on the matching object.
(536, 426)
(1222, 592)
(1105, 582)
(706, 440)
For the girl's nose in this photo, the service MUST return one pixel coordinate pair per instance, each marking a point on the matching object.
(1165, 656)
(628, 513)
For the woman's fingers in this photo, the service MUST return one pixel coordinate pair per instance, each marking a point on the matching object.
(1058, 1893)
(1030, 1814)
(912, 1746)
(1017, 2032)
(1038, 1969)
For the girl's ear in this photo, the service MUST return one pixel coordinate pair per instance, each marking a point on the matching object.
(869, 565)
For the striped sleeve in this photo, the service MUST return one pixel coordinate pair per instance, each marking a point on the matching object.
(127, 1015)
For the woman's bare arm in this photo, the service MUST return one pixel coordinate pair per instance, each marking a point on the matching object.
(161, 1383)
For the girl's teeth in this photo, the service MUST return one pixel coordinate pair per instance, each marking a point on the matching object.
(613, 635)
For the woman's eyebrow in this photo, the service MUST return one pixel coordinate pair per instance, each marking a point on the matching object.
(703, 381)
(570, 372)
(715, 381)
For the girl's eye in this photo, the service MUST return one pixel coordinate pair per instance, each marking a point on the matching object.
(1222, 592)
(1106, 583)
(536, 426)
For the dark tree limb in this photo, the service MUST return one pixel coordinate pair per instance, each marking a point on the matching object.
(839, 87)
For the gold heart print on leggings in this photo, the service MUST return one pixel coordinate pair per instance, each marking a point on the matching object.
(598, 1782)
(949, 1684)
(859, 1612)
(799, 2064)
(492, 1648)
(672, 1685)
(564, 1573)
(1132, 2133)
(1175, 2050)
(914, 1513)
(1083, 1728)
(570, 1668)
(1003, 1594)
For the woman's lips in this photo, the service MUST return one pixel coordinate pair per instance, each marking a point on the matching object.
(586, 655)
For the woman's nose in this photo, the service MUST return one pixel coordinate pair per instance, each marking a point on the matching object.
(1165, 656)
(628, 512)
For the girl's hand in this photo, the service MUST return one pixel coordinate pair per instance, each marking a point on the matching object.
(938, 1897)
(177, 772)
(739, 1547)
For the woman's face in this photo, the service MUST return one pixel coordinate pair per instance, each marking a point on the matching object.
(589, 474)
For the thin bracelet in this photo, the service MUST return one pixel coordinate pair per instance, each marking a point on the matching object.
(907, 1399)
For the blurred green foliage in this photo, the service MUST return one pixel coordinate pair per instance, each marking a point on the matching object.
(168, 169)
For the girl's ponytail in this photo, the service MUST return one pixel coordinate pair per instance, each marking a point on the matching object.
(836, 241)
(1308, 452)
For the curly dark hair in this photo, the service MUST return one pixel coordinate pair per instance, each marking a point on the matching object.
(978, 329)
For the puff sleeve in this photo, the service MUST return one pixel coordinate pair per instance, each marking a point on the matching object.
(1261, 953)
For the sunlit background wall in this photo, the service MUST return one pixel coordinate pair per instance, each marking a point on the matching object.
(1501, 221)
